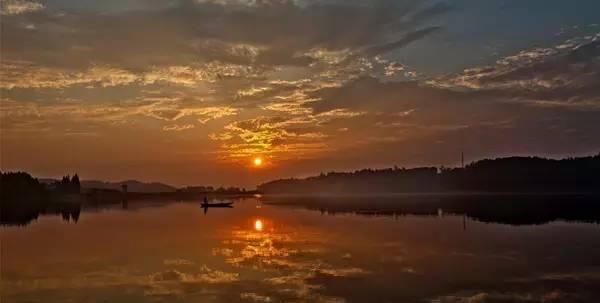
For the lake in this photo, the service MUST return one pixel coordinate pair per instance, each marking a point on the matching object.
(306, 250)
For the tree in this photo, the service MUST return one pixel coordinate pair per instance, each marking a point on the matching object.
(75, 184)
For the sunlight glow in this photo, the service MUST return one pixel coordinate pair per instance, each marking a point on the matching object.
(258, 161)
(258, 225)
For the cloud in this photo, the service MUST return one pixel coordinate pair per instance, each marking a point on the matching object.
(297, 133)
(267, 135)
(209, 72)
(254, 297)
(177, 111)
(176, 127)
(566, 75)
(206, 275)
(174, 282)
(344, 272)
(327, 56)
(392, 68)
(22, 116)
(18, 116)
(399, 112)
(433, 10)
(252, 91)
(555, 296)
(291, 261)
(21, 74)
(262, 33)
(368, 93)
(339, 113)
(250, 3)
(177, 262)
(17, 7)
(404, 41)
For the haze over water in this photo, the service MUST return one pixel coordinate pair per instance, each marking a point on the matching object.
(263, 252)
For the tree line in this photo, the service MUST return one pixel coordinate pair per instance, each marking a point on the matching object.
(23, 197)
(511, 174)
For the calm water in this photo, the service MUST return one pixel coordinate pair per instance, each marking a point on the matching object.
(258, 252)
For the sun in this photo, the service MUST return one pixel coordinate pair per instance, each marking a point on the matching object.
(258, 161)
(258, 225)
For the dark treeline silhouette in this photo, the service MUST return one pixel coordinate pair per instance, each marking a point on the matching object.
(513, 174)
(211, 189)
(107, 196)
(132, 186)
(98, 196)
(23, 198)
(512, 209)
(67, 185)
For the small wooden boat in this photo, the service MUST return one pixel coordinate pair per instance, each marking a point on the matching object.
(220, 204)
(205, 204)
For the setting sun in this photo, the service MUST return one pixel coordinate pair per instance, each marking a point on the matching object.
(258, 161)
(258, 225)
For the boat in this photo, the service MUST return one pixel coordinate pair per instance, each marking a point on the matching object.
(220, 204)
(205, 204)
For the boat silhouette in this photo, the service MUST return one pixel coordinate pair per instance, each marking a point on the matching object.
(205, 204)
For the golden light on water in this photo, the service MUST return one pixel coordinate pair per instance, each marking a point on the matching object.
(258, 225)
(258, 161)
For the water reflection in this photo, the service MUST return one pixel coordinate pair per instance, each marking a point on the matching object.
(205, 206)
(258, 225)
(21, 217)
(171, 252)
(285, 260)
(504, 209)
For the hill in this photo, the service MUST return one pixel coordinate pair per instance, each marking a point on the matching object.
(132, 186)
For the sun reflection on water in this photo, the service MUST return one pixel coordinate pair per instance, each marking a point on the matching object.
(258, 225)
(289, 259)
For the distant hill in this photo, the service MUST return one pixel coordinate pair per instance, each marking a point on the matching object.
(512, 174)
(132, 186)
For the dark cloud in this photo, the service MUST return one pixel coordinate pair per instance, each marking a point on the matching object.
(190, 32)
(431, 123)
(369, 93)
(567, 75)
(434, 10)
(409, 38)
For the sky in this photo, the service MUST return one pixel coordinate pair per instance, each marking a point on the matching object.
(189, 92)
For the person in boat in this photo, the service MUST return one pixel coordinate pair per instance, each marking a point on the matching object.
(205, 200)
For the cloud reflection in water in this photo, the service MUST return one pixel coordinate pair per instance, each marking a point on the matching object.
(289, 260)
(176, 254)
